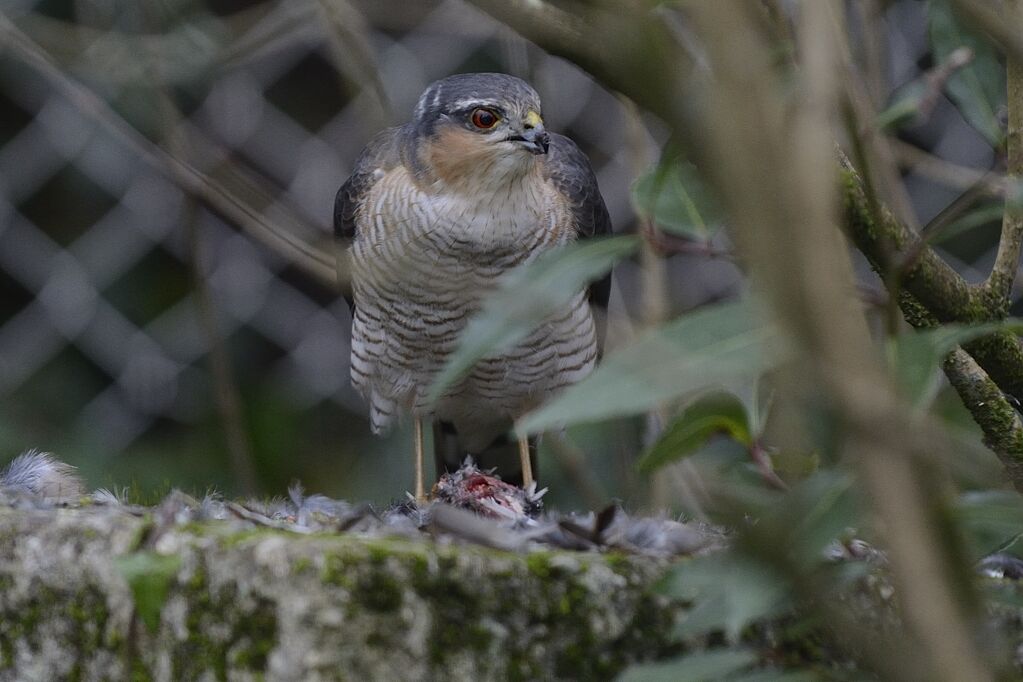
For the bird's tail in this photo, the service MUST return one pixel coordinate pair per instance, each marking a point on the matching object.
(502, 454)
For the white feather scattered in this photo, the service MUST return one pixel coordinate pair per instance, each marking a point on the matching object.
(42, 475)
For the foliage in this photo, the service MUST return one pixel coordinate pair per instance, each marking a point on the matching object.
(674, 196)
(978, 89)
(528, 295)
(707, 416)
(706, 348)
(916, 355)
(149, 575)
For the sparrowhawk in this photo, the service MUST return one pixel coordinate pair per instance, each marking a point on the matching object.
(436, 211)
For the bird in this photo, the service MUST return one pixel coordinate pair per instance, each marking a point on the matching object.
(433, 214)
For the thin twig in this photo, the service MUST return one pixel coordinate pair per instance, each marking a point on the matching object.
(316, 263)
(353, 55)
(909, 156)
(996, 20)
(666, 244)
(226, 394)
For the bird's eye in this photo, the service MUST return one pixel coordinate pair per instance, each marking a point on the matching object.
(484, 119)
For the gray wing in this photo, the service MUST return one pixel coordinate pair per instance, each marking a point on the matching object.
(569, 169)
(381, 154)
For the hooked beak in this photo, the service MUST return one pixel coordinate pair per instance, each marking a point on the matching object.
(536, 140)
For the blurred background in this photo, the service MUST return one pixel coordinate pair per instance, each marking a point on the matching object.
(175, 325)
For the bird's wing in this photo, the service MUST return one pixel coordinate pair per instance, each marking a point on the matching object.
(569, 170)
(381, 154)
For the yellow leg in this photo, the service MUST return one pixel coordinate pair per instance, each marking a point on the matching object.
(420, 490)
(527, 466)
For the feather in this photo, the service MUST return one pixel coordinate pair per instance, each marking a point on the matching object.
(42, 475)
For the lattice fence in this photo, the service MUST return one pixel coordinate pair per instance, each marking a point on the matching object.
(96, 246)
(102, 331)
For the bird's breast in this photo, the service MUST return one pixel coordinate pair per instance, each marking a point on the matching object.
(451, 240)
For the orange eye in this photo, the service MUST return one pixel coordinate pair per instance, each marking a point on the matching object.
(484, 119)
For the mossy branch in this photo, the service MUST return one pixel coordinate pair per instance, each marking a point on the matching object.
(1003, 429)
(932, 282)
(930, 293)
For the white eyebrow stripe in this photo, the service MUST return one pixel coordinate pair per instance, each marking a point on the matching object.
(466, 103)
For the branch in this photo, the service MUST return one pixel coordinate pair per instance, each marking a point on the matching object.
(1003, 429)
(933, 284)
(999, 284)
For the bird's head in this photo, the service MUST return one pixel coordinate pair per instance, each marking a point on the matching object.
(480, 123)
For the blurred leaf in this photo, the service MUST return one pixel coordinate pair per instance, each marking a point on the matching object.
(705, 349)
(526, 296)
(728, 592)
(795, 463)
(978, 89)
(905, 106)
(816, 513)
(917, 354)
(775, 676)
(978, 217)
(760, 403)
(990, 519)
(1005, 594)
(703, 666)
(674, 196)
(149, 575)
(709, 415)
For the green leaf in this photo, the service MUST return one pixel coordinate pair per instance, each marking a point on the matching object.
(708, 348)
(526, 296)
(978, 89)
(674, 196)
(776, 676)
(703, 666)
(816, 513)
(917, 354)
(149, 575)
(985, 214)
(728, 591)
(1006, 595)
(905, 106)
(709, 415)
(991, 519)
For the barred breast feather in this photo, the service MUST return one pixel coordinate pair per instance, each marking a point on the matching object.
(423, 258)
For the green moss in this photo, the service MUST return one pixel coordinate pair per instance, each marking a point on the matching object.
(139, 671)
(246, 641)
(87, 614)
(515, 616)
(539, 564)
(256, 635)
(619, 563)
(858, 217)
(336, 572)
(6, 653)
(378, 591)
